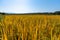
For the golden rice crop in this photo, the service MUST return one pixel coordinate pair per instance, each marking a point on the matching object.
(30, 27)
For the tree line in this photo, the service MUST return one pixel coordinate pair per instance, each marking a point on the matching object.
(45, 13)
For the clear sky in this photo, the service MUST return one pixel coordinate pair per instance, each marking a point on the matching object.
(25, 6)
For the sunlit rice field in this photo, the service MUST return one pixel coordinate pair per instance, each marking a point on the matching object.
(29, 27)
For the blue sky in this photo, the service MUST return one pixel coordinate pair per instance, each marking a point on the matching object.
(26, 6)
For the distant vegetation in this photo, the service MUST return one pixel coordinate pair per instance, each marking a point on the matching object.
(46, 13)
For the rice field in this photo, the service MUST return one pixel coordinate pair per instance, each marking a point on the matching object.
(30, 27)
